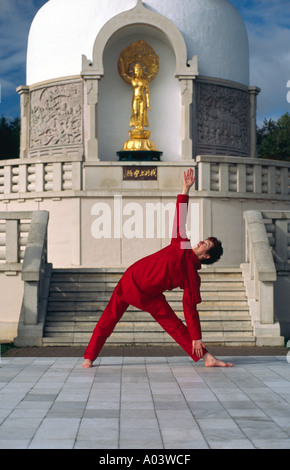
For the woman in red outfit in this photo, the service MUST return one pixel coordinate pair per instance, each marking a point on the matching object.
(142, 285)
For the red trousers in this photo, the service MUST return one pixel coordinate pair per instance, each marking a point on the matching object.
(156, 306)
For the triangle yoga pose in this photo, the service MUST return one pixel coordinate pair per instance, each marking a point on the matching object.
(143, 284)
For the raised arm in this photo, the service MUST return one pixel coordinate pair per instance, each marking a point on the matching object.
(122, 71)
(179, 224)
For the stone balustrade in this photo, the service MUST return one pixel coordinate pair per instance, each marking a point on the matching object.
(24, 273)
(259, 277)
(14, 229)
(259, 256)
(33, 176)
(277, 225)
(219, 176)
(36, 276)
(243, 177)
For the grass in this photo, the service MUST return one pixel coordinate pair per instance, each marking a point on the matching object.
(5, 347)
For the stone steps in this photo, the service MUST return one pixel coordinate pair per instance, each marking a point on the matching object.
(78, 297)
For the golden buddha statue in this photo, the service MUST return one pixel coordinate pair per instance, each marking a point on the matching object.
(138, 65)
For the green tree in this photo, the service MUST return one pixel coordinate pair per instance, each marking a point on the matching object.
(9, 138)
(273, 139)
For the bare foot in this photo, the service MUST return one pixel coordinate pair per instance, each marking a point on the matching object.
(211, 361)
(87, 363)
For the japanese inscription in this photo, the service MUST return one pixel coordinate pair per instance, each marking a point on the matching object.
(135, 173)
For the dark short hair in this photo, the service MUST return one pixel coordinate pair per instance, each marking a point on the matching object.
(215, 252)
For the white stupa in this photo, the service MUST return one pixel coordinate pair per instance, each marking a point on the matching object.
(63, 30)
(201, 102)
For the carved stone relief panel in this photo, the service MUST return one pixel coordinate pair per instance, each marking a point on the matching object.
(56, 116)
(222, 120)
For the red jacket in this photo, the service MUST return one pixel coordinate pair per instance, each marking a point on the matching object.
(174, 266)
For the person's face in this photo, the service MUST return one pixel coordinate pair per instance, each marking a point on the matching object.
(201, 249)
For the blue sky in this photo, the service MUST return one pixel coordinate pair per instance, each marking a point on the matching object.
(267, 22)
(268, 25)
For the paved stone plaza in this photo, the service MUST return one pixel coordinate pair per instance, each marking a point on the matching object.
(144, 403)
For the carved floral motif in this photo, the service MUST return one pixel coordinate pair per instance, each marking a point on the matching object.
(56, 116)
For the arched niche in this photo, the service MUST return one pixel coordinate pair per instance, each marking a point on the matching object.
(173, 94)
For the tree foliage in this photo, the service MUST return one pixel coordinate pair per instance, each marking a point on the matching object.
(9, 138)
(273, 139)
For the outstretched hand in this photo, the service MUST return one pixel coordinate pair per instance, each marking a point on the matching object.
(197, 348)
(188, 180)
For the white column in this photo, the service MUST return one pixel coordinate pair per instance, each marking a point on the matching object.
(186, 119)
(91, 117)
(24, 109)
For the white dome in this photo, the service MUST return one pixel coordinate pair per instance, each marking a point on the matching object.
(64, 30)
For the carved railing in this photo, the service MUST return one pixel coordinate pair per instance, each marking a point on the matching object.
(34, 264)
(35, 274)
(218, 176)
(14, 229)
(23, 251)
(277, 225)
(33, 176)
(262, 267)
(243, 177)
(259, 276)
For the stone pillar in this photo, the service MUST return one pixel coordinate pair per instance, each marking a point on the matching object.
(91, 116)
(186, 121)
(24, 109)
(253, 92)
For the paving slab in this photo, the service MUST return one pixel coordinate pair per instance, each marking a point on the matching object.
(144, 402)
